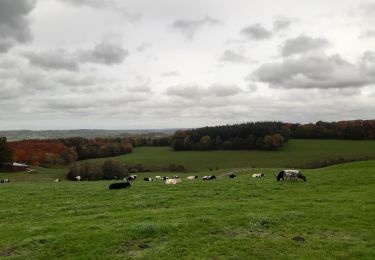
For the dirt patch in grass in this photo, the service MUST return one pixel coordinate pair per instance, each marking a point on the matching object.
(11, 251)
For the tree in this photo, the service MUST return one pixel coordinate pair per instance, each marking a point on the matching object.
(6, 153)
(112, 169)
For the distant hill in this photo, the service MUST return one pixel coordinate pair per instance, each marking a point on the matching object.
(13, 135)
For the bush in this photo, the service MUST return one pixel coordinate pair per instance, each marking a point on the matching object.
(87, 171)
(114, 170)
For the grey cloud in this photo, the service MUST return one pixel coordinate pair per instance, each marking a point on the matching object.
(105, 53)
(194, 92)
(256, 32)
(144, 46)
(307, 72)
(367, 64)
(190, 27)
(282, 23)
(53, 59)
(303, 44)
(223, 90)
(188, 92)
(14, 24)
(231, 56)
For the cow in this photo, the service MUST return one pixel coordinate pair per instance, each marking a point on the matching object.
(258, 175)
(58, 180)
(158, 177)
(192, 177)
(173, 181)
(130, 178)
(232, 176)
(119, 185)
(148, 179)
(291, 175)
(78, 178)
(176, 177)
(210, 177)
(4, 181)
(164, 178)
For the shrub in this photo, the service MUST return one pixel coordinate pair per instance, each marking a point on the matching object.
(114, 169)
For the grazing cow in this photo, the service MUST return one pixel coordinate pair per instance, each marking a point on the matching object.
(291, 175)
(258, 175)
(164, 178)
(119, 185)
(210, 177)
(176, 177)
(130, 178)
(78, 178)
(158, 177)
(58, 180)
(173, 181)
(4, 181)
(148, 179)
(192, 177)
(232, 176)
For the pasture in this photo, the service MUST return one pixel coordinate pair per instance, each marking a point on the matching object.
(241, 218)
(296, 153)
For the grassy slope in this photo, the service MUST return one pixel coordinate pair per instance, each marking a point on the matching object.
(237, 219)
(296, 153)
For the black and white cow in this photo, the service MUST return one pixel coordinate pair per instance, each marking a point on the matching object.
(164, 178)
(232, 176)
(148, 179)
(291, 175)
(119, 185)
(258, 175)
(192, 177)
(58, 180)
(210, 177)
(176, 177)
(4, 181)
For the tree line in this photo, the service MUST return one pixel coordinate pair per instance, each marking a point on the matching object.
(352, 129)
(247, 136)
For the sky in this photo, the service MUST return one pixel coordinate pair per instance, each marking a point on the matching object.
(146, 64)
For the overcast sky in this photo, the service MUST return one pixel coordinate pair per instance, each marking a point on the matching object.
(121, 64)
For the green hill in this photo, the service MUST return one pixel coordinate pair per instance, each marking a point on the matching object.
(296, 153)
(244, 218)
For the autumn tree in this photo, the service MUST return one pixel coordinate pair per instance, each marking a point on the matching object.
(6, 153)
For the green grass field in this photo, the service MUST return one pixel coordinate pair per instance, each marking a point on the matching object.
(243, 218)
(296, 153)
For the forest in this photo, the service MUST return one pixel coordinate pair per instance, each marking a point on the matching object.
(247, 136)
(350, 129)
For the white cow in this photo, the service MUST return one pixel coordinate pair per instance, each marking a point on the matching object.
(158, 177)
(58, 180)
(192, 177)
(78, 178)
(258, 175)
(173, 181)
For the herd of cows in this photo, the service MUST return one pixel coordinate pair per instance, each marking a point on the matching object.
(282, 175)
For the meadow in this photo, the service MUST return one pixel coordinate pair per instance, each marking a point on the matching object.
(242, 218)
(296, 153)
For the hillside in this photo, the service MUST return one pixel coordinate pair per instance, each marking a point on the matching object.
(296, 153)
(223, 219)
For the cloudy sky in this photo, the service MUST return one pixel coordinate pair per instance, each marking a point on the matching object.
(121, 64)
